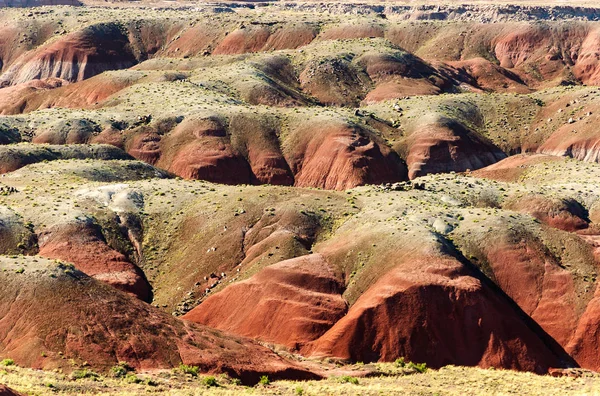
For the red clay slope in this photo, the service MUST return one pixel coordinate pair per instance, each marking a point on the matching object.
(335, 155)
(57, 310)
(83, 244)
(469, 323)
(256, 38)
(6, 391)
(429, 307)
(201, 149)
(75, 57)
(301, 292)
(52, 92)
(550, 274)
(322, 153)
(511, 168)
(445, 146)
(583, 346)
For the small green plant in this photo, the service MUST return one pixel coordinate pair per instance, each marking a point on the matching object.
(400, 362)
(132, 378)
(299, 390)
(83, 374)
(419, 367)
(349, 379)
(210, 381)
(120, 370)
(191, 370)
(236, 381)
(7, 362)
(264, 380)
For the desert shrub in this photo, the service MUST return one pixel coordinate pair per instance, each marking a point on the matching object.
(210, 381)
(400, 362)
(191, 370)
(120, 370)
(264, 380)
(349, 379)
(132, 378)
(236, 381)
(83, 374)
(7, 362)
(419, 367)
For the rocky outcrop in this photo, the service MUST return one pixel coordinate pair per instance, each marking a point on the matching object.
(16, 237)
(335, 81)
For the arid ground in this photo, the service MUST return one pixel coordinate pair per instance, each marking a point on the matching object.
(300, 198)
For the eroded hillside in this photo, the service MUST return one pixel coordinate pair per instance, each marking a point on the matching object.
(351, 187)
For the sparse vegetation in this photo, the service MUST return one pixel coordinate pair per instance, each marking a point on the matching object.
(84, 374)
(400, 362)
(121, 370)
(264, 380)
(210, 381)
(189, 370)
(420, 367)
(345, 101)
(349, 379)
(479, 382)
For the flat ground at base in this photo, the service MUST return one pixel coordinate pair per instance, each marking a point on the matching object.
(571, 3)
(449, 380)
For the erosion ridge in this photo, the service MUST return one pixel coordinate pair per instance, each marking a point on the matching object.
(409, 97)
(256, 243)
